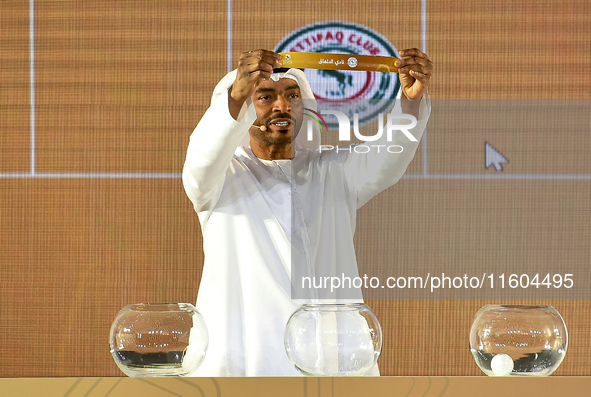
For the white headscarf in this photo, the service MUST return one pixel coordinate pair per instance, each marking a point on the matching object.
(307, 95)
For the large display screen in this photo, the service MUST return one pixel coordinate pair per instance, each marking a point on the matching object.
(97, 103)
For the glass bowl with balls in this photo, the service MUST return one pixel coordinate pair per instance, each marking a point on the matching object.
(514, 340)
(158, 339)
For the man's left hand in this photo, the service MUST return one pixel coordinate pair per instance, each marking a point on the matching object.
(414, 70)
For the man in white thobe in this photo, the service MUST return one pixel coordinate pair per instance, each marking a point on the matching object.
(268, 201)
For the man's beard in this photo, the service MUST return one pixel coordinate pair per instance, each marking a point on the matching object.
(268, 140)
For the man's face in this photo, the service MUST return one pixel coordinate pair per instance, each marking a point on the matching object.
(279, 108)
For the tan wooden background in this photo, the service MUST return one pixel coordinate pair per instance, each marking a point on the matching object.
(119, 86)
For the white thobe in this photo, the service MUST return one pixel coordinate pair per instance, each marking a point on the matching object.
(254, 213)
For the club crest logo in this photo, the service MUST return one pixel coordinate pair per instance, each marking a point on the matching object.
(339, 89)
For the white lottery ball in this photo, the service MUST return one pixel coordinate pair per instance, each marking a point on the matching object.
(501, 364)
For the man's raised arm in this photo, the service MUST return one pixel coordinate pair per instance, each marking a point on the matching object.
(222, 128)
(376, 170)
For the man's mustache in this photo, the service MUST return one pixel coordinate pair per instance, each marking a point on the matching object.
(269, 120)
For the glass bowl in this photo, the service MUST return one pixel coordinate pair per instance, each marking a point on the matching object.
(333, 339)
(158, 339)
(512, 340)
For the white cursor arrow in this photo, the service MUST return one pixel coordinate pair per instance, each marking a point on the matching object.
(493, 157)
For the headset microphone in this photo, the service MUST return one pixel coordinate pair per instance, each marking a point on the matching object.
(260, 127)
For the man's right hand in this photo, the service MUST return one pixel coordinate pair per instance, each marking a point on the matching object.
(253, 67)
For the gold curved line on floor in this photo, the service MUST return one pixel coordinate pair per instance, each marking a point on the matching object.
(113, 388)
(71, 389)
(445, 388)
(92, 387)
(428, 388)
(217, 387)
(160, 387)
(192, 385)
(411, 388)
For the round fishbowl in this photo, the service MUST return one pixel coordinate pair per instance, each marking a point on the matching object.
(158, 339)
(333, 339)
(512, 340)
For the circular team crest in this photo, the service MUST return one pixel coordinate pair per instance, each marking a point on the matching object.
(355, 91)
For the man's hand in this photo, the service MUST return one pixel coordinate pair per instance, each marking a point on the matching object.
(414, 71)
(253, 67)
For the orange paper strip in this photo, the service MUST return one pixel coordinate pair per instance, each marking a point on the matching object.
(318, 60)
